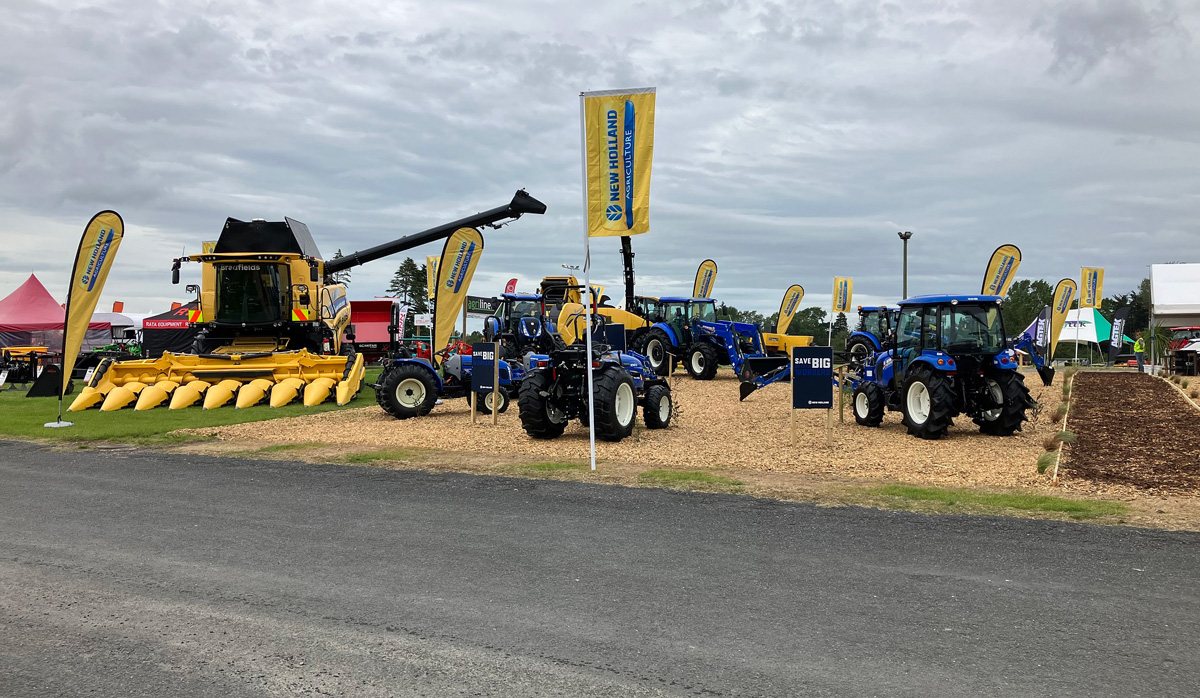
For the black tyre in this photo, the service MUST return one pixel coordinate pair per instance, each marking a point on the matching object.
(1007, 388)
(868, 404)
(656, 407)
(634, 338)
(539, 417)
(483, 401)
(928, 403)
(407, 391)
(859, 349)
(616, 404)
(702, 361)
(655, 345)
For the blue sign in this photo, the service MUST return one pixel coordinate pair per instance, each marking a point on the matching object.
(812, 378)
(483, 367)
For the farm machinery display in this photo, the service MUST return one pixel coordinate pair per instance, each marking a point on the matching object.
(948, 356)
(555, 391)
(875, 327)
(521, 325)
(410, 386)
(272, 322)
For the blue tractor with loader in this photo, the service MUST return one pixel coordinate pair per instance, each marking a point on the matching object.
(949, 355)
(689, 331)
(554, 391)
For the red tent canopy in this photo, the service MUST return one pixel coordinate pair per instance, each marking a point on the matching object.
(31, 308)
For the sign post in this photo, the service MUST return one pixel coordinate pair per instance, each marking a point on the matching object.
(812, 384)
(485, 375)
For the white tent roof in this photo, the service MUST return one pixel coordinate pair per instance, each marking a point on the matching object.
(1175, 293)
(1081, 327)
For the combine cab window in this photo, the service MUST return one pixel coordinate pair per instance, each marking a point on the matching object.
(972, 329)
(705, 311)
(250, 293)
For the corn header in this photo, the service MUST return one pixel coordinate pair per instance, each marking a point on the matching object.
(272, 322)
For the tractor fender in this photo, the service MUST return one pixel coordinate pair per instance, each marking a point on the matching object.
(864, 335)
(1006, 360)
(932, 360)
(882, 371)
(670, 333)
(424, 364)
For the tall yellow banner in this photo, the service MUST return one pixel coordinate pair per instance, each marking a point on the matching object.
(618, 135)
(788, 307)
(97, 249)
(431, 266)
(1064, 293)
(706, 278)
(457, 265)
(1093, 287)
(1001, 270)
(843, 290)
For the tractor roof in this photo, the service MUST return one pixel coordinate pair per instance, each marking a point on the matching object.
(684, 299)
(521, 296)
(266, 236)
(873, 308)
(943, 299)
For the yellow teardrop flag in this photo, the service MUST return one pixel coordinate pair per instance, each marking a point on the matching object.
(97, 249)
(1064, 293)
(1093, 287)
(706, 279)
(843, 291)
(788, 307)
(1001, 270)
(455, 268)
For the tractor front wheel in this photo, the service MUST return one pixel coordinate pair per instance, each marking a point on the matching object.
(484, 401)
(702, 361)
(539, 416)
(1008, 389)
(616, 404)
(928, 403)
(868, 405)
(407, 391)
(656, 407)
(655, 346)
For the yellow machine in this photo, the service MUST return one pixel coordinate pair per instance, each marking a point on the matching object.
(782, 344)
(562, 295)
(272, 322)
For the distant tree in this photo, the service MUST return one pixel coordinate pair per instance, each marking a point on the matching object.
(340, 277)
(1024, 301)
(841, 325)
(408, 284)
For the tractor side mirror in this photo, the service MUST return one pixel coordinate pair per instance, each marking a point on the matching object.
(175, 272)
(312, 272)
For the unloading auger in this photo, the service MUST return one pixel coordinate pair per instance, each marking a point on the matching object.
(272, 322)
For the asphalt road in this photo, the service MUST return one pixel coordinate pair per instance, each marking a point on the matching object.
(142, 574)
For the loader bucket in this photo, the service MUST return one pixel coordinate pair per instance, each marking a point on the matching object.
(217, 380)
(745, 389)
(1047, 374)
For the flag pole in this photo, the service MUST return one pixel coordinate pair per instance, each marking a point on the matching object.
(587, 280)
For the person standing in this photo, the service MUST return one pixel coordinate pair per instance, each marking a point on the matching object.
(1139, 350)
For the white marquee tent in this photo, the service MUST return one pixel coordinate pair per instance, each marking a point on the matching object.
(1175, 294)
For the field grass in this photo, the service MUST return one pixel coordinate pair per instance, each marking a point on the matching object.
(970, 500)
(24, 418)
(390, 454)
(554, 466)
(693, 479)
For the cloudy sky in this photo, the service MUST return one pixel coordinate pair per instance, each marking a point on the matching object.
(794, 139)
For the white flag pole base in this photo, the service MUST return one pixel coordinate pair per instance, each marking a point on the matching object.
(55, 425)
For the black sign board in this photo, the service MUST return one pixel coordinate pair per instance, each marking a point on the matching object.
(483, 359)
(613, 335)
(479, 306)
(812, 378)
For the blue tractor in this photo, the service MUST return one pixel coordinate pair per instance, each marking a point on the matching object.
(949, 356)
(410, 386)
(690, 332)
(521, 325)
(554, 391)
(875, 326)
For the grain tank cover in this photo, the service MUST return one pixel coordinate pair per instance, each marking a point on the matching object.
(266, 236)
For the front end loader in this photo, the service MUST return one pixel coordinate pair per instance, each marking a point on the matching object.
(271, 322)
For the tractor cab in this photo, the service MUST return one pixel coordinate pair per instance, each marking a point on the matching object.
(520, 324)
(963, 332)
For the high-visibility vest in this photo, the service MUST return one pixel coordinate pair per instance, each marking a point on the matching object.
(1139, 347)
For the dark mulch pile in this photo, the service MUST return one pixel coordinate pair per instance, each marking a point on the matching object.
(1134, 430)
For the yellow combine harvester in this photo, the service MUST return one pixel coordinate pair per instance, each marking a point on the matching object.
(272, 322)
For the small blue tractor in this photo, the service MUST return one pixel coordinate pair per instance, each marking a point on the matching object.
(875, 326)
(948, 356)
(521, 325)
(410, 386)
(690, 331)
(554, 391)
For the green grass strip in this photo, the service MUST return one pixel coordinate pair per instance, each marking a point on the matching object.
(688, 477)
(391, 454)
(1076, 508)
(555, 466)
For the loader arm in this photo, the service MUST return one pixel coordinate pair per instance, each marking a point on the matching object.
(1027, 344)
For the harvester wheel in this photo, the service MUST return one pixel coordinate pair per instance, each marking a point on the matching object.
(928, 403)
(868, 405)
(407, 391)
(1007, 388)
(654, 345)
(539, 417)
(656, 407)
(859, 349)
(616, 404)
(702, 361)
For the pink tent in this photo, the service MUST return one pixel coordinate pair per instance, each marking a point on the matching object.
(31, 316)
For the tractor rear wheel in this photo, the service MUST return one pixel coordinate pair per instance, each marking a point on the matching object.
(539, 417)
(407, 391)
(655, 346)
(928, 403)
(616, 404)
(702, 361)
(868, 405)
(859, 350)
(656, 407)
(1008, 389)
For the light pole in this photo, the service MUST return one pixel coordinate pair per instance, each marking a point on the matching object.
(905, 236)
